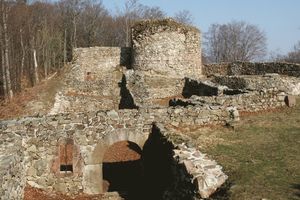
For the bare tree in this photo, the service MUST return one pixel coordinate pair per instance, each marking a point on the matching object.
(294, 55)
(37, 36)
(91, 24)
(153, 13)
(184, 17)
(5, 57)
(132, 12)
(235, 41)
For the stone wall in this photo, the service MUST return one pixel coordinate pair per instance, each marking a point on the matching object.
(164, 53)
(88, 136)
(12, 166)
(248, 102)
(248, 68)
(194, 174)
(45, 139)
(92, 82)
(289, 85)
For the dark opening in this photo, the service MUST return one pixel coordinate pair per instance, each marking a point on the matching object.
(179, 102)
(157, 160)
(126, 57)
(233, 92)
(66, 168)
(192, 87)
(122, 168)
(148, 174)
(127, 101)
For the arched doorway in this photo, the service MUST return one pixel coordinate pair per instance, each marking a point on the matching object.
(123, 168)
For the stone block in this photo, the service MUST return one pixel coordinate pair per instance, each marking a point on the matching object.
(93, 154)
(92, 179)
(290, 100)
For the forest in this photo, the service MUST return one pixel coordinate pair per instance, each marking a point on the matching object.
(37, 38)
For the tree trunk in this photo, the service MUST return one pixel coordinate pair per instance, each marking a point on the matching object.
(23, 54)
(3, 71)
(65, 47)
(36, 76)
(23, 57)
(127, 24)
(46, 64)
(6, 53)
(75, 32)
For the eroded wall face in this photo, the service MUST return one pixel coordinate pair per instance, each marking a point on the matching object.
(12, 166)
(65, 152)
(163, 55)
(249, 68)
(92, 83)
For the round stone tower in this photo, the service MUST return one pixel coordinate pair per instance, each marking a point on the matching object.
(164, 53)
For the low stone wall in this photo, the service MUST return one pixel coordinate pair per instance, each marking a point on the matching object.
(87, 136)
(12, 167)
(199, 88)
(248, 68)
(289, 85)
(195, 175)
(249, 102)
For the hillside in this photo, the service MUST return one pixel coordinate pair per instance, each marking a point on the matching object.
(37, 100)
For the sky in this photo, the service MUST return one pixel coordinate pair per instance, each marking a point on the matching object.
(279, 19)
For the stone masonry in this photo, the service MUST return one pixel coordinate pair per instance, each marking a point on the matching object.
(164, 53)
(91, 134)
(93, 80)
(114, 94)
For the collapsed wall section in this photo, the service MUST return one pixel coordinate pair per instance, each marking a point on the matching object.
(246, 102)
(289, 85)
(249, 68)
(92, 82)
(164, 53)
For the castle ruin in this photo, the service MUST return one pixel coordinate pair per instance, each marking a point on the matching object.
(143, 94)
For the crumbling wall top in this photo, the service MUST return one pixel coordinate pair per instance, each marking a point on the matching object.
(150, 27)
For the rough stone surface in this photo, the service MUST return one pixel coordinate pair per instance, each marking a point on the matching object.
(248, 68)
(290, 85)
(92, 184)
(207, 175)
(164, 53)
(107, 99)
(12, 167)
(91, 134)
(198, 171)
(290, 100)
(249, 102)
(93, 80)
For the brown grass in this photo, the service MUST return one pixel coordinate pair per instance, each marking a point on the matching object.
(43, 93)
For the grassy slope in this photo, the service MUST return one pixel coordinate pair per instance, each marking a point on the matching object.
(261, 155)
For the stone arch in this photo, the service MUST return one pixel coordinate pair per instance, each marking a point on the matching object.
(125, 134)
(93, 169)
(122, 167)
